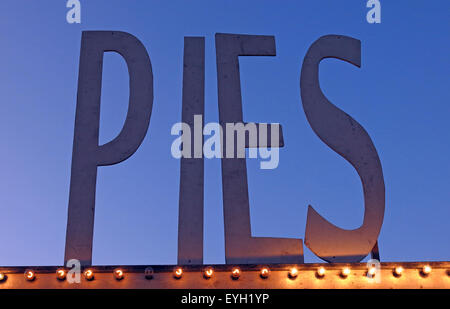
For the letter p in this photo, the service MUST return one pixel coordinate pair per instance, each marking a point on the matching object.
(87, 153)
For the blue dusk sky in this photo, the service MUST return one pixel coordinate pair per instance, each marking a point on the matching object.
(400, 95)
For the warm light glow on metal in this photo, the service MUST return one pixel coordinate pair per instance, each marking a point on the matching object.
(426, 270)
(61, 274)
(236, 273)
(178, 272)
(345, 272)
(89, 274)
(293, 272)
(208, 273)
(30, 275)
(118, 274)
(403, 275)
(398, 271)
(321, 272)
(265, 271)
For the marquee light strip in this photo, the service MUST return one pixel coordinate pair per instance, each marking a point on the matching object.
(235, 273)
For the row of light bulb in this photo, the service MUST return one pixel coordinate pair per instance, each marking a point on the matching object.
(208, 272)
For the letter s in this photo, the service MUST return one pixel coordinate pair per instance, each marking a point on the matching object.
(348, 138)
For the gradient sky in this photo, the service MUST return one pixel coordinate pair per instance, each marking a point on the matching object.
(400, 95)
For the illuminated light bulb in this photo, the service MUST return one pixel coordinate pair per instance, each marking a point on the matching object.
(372, 271)
(345, 272)
(426, 270)
(236, 273)
(118, 274)
(265, 271)
(89, 274)
(178, 273)
(208, 273)
(320, 272)
(2, 277)
(61, 274)
(148, 272)
(30, 275)
(293, 273)
(398, 271)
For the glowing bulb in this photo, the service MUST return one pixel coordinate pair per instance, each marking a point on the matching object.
(398, 271)
(2, 277)
(293, 273)
(118, 273)
(178, 272)
(61, 274)
(372, 271)
(345, 272)
(30, 275)
(265, 272)
(208, 272)
(236, 273)
(426, 270)
(321, 272)
(89, 274)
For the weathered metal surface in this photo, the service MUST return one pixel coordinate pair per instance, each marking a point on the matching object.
(190, 217)
(240, 246)
(349, 139)
(192, 277)
(87, 154)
